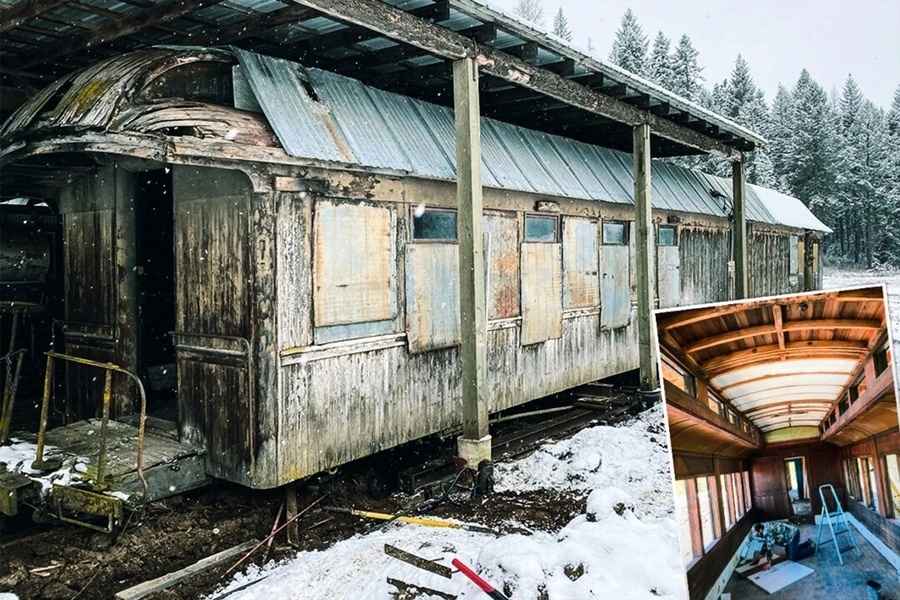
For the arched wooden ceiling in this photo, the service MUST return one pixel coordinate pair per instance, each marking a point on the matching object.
(784, 361)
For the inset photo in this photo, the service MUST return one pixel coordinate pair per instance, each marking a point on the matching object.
(782, 414)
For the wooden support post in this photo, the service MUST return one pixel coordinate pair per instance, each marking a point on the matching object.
(290, 504)
(475, 443)
(739, 187)
(645, 253)
(809, 263)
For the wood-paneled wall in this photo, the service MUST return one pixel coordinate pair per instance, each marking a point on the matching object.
(770, 495)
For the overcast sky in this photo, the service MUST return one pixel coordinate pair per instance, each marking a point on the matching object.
(830, 38)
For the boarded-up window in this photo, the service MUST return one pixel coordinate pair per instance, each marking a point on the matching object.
(354, 266)
(541, 293)
(580, 268)
(615, 276)
(668, 266)
(501, 252)
(794, 250)
(432, 296)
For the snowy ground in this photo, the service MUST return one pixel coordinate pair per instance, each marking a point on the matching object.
(837, 278)
(625, 546)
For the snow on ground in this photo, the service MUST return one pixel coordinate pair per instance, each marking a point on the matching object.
(626, 544)
(597, 457)
(19, 455)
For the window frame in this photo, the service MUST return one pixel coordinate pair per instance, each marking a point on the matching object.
(412, 225)
(544, 216)
(667, 227)
(625, 232)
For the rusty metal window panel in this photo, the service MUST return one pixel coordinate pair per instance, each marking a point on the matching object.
(541, 228)
(432, 296)
(501, 255)
(615, 233)
(354, 266)
(667, 235)
(580, 263)
(436, 225)
(541, 292)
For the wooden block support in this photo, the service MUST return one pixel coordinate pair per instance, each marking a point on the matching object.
(644, 252)
(290, 502)
(739, 189)
(473, 320)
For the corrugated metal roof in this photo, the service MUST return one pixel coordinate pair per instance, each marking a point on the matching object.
(385, 130)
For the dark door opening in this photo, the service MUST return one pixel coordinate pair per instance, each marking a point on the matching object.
(155, 266)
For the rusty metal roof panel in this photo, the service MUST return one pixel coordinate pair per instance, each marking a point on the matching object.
(440, 124)
(360, 121)
(304, 126)
(425, 153)
(513, 139)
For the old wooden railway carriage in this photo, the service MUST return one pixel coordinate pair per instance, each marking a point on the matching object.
(296, 230)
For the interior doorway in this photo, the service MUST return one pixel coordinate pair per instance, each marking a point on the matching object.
(155, 266)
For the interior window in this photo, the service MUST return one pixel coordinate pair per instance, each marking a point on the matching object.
(882, 359)
(434, 225)
(704, 499)
(667, 235)
(892, 461)
(541, 228)
(615, 233)
(678, 377)
(684, 521)
(748, 499)
(727, 501)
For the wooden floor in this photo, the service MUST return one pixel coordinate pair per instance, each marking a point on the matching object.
(830, 581)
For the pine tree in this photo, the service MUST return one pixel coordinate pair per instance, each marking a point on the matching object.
(660, 69)
(740, 89)
(781, 116)
(561, 26)
(530, 11)
(686, 78)
(629, 49)
(893, 116)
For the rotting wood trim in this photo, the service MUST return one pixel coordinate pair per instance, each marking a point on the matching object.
(401, 26)
(159, 584)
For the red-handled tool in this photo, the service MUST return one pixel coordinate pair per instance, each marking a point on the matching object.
(484, 585)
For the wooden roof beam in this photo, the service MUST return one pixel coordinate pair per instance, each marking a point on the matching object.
(20, 13)
(728, 337)
(819, 324)
(809, 349)
(779, 325)
(400, 25)
(127, 25)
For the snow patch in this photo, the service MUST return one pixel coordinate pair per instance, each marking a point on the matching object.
(19, 455)
(633, 457)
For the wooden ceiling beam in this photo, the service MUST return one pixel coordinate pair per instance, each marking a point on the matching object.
(819, 324)
(20, 13)
(125, 26)
(783, 375)
(791, 326)
(779, 325)
(727, 337)
(808, 349)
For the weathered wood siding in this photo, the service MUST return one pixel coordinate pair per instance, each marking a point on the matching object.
(100, 315)
(668, 276)
(432, 296)
(704, 255)
(769, 262)
(615, 287)
(214, 278)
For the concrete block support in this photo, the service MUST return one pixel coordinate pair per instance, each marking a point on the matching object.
(475, 443)
(645, 247)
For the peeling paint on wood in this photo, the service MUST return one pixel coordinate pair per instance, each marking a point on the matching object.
(541, 292)
(668, 266)
(580, 263)
(432, 296)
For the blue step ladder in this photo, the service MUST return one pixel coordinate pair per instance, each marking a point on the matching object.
(836, 521)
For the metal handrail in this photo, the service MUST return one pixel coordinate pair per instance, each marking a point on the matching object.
(107, 398)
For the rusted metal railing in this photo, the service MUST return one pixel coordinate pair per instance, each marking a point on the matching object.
(109, 369)
(10, 386)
